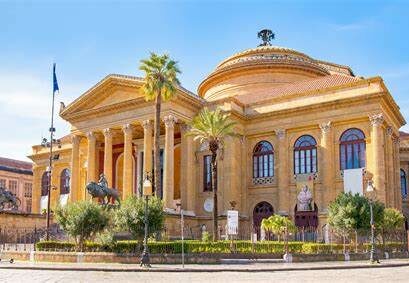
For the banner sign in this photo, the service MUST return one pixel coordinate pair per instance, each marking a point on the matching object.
(354, 181)
(305, 187)
(232, 222)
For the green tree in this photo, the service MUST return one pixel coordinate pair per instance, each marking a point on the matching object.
(277, 225)
(160, 84)
(392, 219)
(82, 220)
(130, 216)
(392, 224)
(211, 128)
(348, 213)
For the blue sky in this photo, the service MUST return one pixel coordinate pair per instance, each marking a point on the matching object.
(90, 39)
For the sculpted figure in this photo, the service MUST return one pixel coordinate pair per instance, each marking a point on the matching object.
(304, 199)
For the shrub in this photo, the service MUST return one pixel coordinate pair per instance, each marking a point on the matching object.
(82, 220)
(206, 237)
(130, 216)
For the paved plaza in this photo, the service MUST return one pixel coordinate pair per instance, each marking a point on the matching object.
(390, 274)
(356, 271)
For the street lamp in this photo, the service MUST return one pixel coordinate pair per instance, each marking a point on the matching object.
(49, 144)
(147, 191)
(371, 190)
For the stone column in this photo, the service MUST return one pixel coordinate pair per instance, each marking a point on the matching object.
(128, 170)
(147, 147)
(397, 188)
(91, 155)
(187, 172)
(36, 191)
(168, 172)
(378, 155)
(283, 182)
(75, 169)
(108, 156)
(390, 188)
(326, 169)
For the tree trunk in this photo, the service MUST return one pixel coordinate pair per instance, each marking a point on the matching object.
(156, 149)
(213, 149)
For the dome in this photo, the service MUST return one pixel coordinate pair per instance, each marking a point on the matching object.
(260, 69)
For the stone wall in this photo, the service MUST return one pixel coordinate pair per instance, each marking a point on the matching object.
(22, 220)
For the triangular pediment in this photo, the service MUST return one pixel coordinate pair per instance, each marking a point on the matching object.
(112, 90)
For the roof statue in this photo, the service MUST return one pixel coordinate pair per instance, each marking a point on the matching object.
(266, 36)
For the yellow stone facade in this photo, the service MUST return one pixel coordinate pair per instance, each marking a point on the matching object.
(274, 94)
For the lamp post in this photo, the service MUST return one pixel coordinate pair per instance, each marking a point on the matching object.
(371, 190)
(49, 144)
(147, 191)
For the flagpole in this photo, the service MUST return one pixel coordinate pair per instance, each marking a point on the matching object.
(50, 169)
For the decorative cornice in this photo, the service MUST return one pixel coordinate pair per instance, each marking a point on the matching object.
(325, 127)
(376, 119)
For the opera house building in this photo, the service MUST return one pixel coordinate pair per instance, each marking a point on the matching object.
(307, 129)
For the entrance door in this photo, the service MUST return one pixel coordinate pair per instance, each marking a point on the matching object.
(261, 210)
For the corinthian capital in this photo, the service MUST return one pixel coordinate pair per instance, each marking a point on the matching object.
(280, 133)
(107, 132)
(170, 121)
(389, 131)
(75, 139)
(376, 119)
(185, 128)
(127, 129)
(325, 127)
(147, 124)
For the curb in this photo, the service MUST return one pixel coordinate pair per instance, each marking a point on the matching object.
(197, 270)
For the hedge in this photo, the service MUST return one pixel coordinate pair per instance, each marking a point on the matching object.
(191, 246)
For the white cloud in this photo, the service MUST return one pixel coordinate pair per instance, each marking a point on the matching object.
(25, 110)
(360, 25)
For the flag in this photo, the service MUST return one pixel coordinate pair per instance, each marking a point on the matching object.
(55, 83)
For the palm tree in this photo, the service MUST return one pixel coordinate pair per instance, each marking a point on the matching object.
(211, 127)
(160, 84)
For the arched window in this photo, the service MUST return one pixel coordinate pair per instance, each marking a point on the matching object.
(65, 182)
(305, 155)
(44, 184)
(263, 160)
(403, 186)
(352, 149)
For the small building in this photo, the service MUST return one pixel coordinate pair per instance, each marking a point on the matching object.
(17, 177)
(308, 130)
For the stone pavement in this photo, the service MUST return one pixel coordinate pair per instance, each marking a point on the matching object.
(254, 266)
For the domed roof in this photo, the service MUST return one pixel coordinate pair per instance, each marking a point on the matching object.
(263, 68)
(263, 54)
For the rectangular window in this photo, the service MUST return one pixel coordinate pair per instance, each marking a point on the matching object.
(28, 205)
(13, 187)
(314, 160)
(271, 165)
(255, 169)
(297, 162)
(207, 173)
(349, 157)
(28, 190)
(3, 183)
